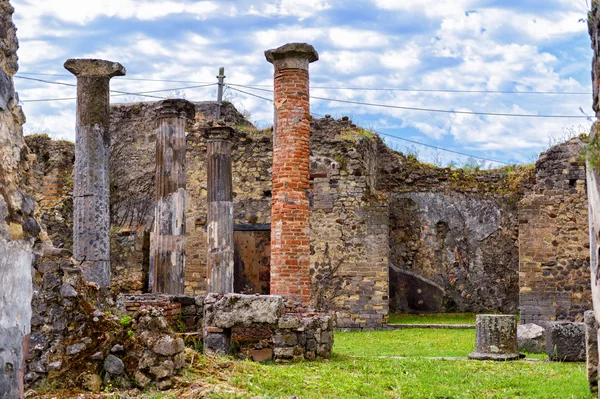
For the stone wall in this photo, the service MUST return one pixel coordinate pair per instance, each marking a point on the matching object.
(18, 227)
(593, 163)
(553, 236)
(454, 229)
(78, 341)
(361, 193)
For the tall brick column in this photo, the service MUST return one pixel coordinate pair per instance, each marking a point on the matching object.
(167, 241)
(91, 186)
(290, 235)
(220, 209)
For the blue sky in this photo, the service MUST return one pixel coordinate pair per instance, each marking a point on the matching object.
(494, 45)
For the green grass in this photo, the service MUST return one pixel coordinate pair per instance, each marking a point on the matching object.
(435, 318)
(344, 377)
(363, 367)
(406, 342)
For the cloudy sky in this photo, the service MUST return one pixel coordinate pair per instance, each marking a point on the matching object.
(448, 55)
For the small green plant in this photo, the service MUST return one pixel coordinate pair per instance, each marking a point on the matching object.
(130, 333)
(592, 153)
(125, 321)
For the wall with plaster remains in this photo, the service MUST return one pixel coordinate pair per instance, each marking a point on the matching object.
(18, 228)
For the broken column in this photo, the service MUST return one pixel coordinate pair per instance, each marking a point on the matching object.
(167, 241)
(290, 230)
(220, 209)
(91, 185)
(496, 337)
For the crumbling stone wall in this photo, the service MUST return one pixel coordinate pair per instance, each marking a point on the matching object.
(52, 186)
(553, 238)
(18, 227)
(453, 229)
(349, 225)
(361, 193)
(77, 341)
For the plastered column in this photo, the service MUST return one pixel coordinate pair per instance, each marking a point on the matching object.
(290, 229)
(220, 210)
(91, 186)
(167, 241)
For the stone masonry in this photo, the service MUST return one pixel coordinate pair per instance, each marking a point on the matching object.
(18, 227)
(290, 214)
(554, 257)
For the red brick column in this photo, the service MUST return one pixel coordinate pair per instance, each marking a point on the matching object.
(290, 239)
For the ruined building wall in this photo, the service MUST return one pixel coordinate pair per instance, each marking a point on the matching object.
(553, 236)
(453, 230)
(593, 161)
(349, 225)
(18, 228)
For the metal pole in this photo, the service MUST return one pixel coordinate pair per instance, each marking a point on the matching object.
(221, 78)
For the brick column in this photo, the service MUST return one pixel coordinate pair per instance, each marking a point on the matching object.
(290, 230)
(220, 210)
(91, 186)
(167, 241)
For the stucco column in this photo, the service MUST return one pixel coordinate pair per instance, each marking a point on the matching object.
(91, 186)
(167, 241)
(290, 235)
(220, 209)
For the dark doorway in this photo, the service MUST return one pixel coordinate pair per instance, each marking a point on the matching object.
(252, 261)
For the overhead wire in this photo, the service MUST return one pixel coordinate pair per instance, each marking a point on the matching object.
(428, 109)
(397, 137)
(119, 92)
(406, 89)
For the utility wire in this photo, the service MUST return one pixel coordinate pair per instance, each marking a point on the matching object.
(250, 94)
(258, 87)
(428, 109)
(120, 93)
(346, 88)
(396, 137)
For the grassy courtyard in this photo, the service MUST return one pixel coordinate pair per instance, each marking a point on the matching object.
(407, 363)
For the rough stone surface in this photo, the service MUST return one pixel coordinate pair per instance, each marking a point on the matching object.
(168, 346)
(554, 271)
(496, 338)
(18, 227)
(565, 341)
(410, 292)
(531, 338)
(591, 350)
(229, 310)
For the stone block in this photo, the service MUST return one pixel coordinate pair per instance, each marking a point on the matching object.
(496, 338)
(238, 310)
(289, 322)
(285, 339)
(168, 346)
(591, 349)
(114, 365)
(531, 338)
(283, 353)
(217, 343)
(565, 341)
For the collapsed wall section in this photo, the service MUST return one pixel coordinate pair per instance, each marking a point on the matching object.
(554, 259)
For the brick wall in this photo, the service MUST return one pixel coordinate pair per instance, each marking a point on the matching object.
(554, 275)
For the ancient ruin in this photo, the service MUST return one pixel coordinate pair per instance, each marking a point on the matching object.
(171, 219)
